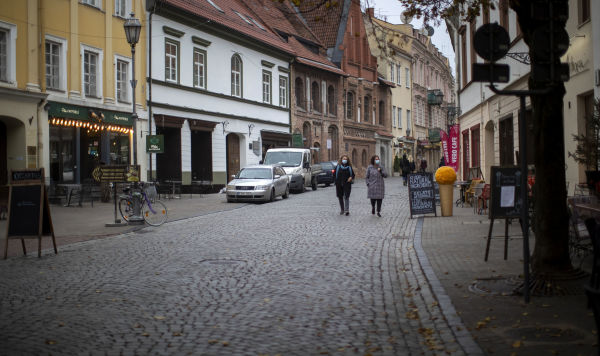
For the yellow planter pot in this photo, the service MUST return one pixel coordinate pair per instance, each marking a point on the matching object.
(446, 198)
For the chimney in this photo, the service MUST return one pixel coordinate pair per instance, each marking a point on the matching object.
(371, 12)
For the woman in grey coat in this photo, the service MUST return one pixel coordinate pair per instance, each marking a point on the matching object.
(375, 184)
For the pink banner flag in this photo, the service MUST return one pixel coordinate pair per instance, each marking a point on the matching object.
(444, 140)
(453, 147)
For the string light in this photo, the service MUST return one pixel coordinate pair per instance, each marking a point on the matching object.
(90, 127)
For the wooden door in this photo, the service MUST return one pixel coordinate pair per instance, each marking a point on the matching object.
(233, 155)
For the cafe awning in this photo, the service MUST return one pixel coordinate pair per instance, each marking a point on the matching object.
(95, 115)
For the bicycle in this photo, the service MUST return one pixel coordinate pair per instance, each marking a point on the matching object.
(153, 211)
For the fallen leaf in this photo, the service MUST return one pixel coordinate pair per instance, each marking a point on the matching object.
(145, 334)
(225, 343)
(159, 317)
(50, 342)
(517, 344)
(267, 300)
(176, 333)
(98, 291)
(212, 342)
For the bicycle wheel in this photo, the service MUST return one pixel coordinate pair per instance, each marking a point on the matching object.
(155, 214)
(125, 208)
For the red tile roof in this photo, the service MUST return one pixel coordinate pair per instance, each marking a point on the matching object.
(323, 20)
(230, 19)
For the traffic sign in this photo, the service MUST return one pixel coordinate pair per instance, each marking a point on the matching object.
(491, 42)
(490, 72)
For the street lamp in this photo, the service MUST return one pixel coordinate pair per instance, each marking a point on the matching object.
(132, 31)
(132, 28)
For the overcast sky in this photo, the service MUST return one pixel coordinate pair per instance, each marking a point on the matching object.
(390, 10)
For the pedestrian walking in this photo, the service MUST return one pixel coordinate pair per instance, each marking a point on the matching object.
(423, 165)
(375, 184)
(412, 166)
(406, 169)
(344, 177)
(442, 162)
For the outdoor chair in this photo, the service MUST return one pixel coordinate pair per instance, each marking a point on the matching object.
(477, 193)
(580, 244)
(484, 198)
(471, 190)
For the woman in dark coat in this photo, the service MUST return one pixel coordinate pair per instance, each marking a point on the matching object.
(375, 184)
(344, 175)
(405, 166)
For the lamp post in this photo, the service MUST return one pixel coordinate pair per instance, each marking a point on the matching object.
(132, 28)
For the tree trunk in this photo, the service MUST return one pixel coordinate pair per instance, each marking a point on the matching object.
(551, 251)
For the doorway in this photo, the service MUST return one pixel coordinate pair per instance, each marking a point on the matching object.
(233, 155)
(506, 142)
(168, 164)
(3, 155)
(201, 155)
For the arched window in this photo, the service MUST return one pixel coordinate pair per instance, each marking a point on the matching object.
(381, 112)
(363, 160)
(315, 97)
(354, 157)
(299, 91)
(333, 136)
(306, 134)
(366, 108)
(236, 75)
(331, 105)
(350, 105)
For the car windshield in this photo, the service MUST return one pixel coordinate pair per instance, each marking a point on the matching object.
(284, 159)
(327, 165)
(255, 173)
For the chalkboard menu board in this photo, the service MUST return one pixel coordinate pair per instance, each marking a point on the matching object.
(506, 192)
(28, 209)
(421, 195)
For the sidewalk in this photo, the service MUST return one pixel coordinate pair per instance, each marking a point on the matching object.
(75, 224)
(502, 324)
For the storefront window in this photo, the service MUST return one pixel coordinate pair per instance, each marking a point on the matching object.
(62, 154)
(119, 148)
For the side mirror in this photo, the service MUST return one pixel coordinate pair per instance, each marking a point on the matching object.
(277, 176)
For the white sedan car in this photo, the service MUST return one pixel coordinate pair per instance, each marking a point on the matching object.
(259, 183)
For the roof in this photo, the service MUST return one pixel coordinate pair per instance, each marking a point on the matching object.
(386, 82)
(384, 134)
(324, 20)
(235, 16)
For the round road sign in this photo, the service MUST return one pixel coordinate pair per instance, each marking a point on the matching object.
(491, 42)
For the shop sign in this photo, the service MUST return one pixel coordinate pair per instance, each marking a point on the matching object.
(297, 140)
(434, 135)
(155, 143)
(116, 173)
(118, 118)
(67, 111)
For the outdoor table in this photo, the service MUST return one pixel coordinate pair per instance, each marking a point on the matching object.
(70, 188)
(203, 185)
(175, 187)
(463, 186)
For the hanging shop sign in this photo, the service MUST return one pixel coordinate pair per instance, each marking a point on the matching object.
(297, 140)
(434, 135)
(155, 143)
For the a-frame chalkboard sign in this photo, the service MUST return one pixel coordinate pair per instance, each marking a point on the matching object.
(28, 209)
(421, 194)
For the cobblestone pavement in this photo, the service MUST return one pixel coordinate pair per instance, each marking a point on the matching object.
(290, 277)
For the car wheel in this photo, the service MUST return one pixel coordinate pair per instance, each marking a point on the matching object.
(314, 184)
(286, 194)
(303, 188)
(272, 197)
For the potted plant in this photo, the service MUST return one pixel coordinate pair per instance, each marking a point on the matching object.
(587, 148)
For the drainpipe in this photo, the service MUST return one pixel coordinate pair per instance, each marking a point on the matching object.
(149, 102)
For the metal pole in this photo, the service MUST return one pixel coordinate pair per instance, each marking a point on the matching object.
(133, 114)
(524, 193)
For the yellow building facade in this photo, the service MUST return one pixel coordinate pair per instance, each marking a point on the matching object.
(65, 91)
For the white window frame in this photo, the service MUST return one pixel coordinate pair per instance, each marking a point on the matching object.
(398, 72)
(94, 3)
(283, 90)
(399, 117)
(122, 4)
(128, 80)
(11, 50)
(196, 82)
(407, 75)
(267, 86)
(176, 57)
(236, 77)
(99, 71)
(393, 116)
(62, 62)
(392, 70)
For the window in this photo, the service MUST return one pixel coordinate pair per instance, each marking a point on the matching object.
(171, 61)
(315, 97)
(199, 68)
(408, 124)
(366, 108)
(283, 91)
(584, 11)
(90, 73)
(121, 8)
(392, 71)
(393, 116)
(3, 55)
(407, 76)
(122, 79)
(364, 158)
(95, 3)
(400, 117)
(52, 65)
(398, 70)
(381, 112)
(350, 105)
(331, 104)
(266, 86)
(236, 76)
(299, 91)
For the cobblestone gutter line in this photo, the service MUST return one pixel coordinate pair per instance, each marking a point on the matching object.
(460, 332)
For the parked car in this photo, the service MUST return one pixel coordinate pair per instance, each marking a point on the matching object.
(327, 175)
(258, 183)
(297, 164)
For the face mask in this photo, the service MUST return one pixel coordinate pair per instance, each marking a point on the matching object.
(377, 161)
(344, 161)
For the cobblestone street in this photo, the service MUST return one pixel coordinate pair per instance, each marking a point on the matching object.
(289, 277)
